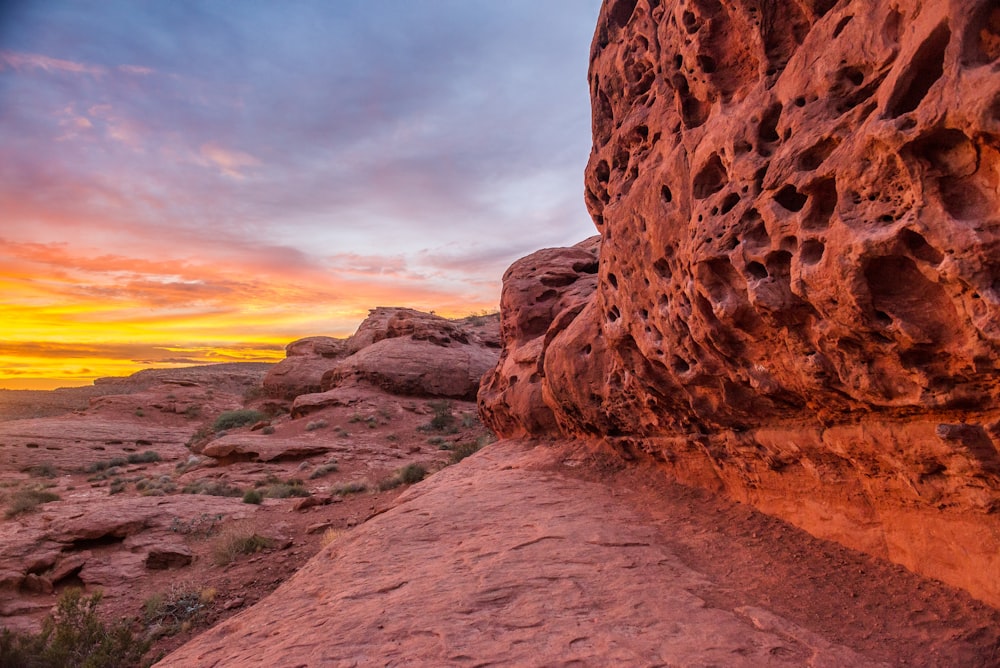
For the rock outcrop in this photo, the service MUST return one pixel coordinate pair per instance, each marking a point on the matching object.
(397, 350)
(798, 294)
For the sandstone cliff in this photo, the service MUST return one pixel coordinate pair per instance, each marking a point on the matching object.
(797, 295)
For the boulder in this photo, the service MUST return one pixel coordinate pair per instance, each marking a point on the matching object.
(797, 299)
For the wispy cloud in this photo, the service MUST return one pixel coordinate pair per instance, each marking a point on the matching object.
(229, 162)
(30, 61)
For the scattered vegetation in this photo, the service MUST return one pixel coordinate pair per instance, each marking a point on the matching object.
(139, 412)
(156, 486)
(341, 432)
(41, 470)
(147, 457)
(203, 525)
(324, 469)
(355, 487)
(443, 420)
(26, 500)
(235, 539)
(175, 611)
(329, 536)
(317, 424)
(463, 450)
(117, 486)
(74, 637)
(287, 489)
(238, 418)
(105, 464)
(211, 488)
(268, 430)
(407, 475)
(192, 462)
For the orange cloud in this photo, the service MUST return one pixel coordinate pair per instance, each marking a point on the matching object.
(228, 162)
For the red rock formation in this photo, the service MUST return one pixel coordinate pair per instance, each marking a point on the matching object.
(397, 350)
(798, 298)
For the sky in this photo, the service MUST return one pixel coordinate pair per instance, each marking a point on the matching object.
(188, 182)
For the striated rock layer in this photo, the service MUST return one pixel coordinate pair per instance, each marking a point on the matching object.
(798, 288)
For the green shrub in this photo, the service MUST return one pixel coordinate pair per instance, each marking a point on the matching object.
(146, 457)
(139, 413)
(253, 496)
(117, 486)
(407, 475)
(26, 500)
(73, 637)
(268, 430)
(444, 418)
(239, 418)
(463, 450)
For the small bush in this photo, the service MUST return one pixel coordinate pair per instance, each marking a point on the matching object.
(41, 471)
(105, 464)
(74, 637)
(156, 486)
(463, 450)
(202, 526)
(444, 418)
(329, 536)
(239, 418)
(318, 424)
(341, 432)
(407, 475)
(146, 457)
(284, 490)
(237, 539)
(268, 430)
(211, 488)
(253, 496)
(324, 469)
(26, 500)
(344, 489)
(174, 611)
(117, 486)
(139, 413)
(192, 411)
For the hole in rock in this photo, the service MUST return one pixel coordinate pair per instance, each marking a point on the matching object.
(666, 195)
(694, 112)
(923, 70)
(789, 243)
(790, 198)
(711, 178)
(882, 318)
(730, 201)
(586, 349)
(823, 196)
(812, 251)
(680, 365)
(767, 131)
(815, 155)
(602, 171)
(706, 63)
(854, 75)
(841, 24)
(585, 267)
(982, 38)
(800, 101)
(757, 270)
(614, 314)
(621, 13)
(100, 541)
(919, 247)
(898, 289)
(662, 268)
(613, 280)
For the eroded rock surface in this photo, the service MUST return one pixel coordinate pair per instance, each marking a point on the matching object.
(797, 297)
(543, 556)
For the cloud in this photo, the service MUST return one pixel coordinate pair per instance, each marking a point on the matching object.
(136, 69)
(28, 61)
(228, 161)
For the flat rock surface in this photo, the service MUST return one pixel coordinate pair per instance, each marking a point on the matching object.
(555, 556)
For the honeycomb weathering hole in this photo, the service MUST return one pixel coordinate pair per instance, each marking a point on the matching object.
(923, 70)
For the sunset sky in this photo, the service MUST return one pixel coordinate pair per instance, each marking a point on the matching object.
(194, 182)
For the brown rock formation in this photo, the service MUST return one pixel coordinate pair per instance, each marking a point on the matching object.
(797, 299)
(398, 350)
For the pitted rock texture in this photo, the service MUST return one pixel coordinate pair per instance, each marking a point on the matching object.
(799, 293)
(398, 350)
